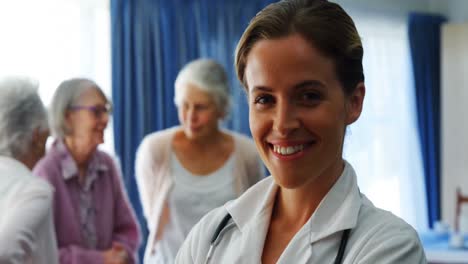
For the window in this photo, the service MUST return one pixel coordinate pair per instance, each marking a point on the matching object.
(383, 145)
(53, 40)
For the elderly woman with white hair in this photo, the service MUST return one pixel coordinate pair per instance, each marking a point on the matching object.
(26, 222)
(185, 171)
(94, 221)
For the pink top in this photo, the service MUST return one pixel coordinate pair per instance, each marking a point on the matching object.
(113, 216)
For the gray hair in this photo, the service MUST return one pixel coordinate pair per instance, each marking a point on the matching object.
(210, 77)
(21, 113)
(66, 95)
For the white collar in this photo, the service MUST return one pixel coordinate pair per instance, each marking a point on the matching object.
(338, 210)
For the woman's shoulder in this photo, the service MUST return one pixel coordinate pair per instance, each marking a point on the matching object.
(38, 186)
(21, 180)
(160, 136)
(155, 146)
(158, 141)
(380, 224)
(381, 235)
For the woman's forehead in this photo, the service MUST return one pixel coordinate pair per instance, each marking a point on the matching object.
(286, 60)
(190, 91)
(92, 95)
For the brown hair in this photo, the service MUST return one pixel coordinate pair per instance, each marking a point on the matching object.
(325, 25)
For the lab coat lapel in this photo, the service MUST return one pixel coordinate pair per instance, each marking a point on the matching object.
(339, 209)
(251, 213)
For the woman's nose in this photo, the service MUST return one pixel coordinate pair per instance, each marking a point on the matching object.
(104, 118)
(191, 115)
(285, 119)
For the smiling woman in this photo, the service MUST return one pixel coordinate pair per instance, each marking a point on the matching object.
(94, 221)
(300, 62)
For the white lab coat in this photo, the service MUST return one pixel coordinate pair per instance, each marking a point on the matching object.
(377, 236)
(26, 222)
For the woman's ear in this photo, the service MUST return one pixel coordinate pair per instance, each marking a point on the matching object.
(67, 121)
(354, 103)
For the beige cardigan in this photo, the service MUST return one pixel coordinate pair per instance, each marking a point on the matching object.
(154, 179)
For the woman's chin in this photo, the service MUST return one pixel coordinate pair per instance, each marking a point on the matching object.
(99, 139)
(95, 144)
(290, 180)
(99, 143)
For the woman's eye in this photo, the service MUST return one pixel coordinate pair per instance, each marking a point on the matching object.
(310, 97)
(263, 99)
(201, 107)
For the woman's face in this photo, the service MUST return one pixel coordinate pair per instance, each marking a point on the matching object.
(88, 118)
(298, 111)
(198, 112)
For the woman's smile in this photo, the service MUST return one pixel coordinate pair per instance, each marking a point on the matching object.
(290, 150)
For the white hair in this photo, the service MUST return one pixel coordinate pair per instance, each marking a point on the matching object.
(209, 76)
(21, 113)
(66, 95)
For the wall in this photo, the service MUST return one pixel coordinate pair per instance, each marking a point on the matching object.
(454, 121)
(455, 10)
(390, 7)
(454, 97)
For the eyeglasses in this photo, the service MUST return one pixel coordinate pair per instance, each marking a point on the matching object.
(97, 110)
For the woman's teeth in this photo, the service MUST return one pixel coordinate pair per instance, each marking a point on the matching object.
(287, 150)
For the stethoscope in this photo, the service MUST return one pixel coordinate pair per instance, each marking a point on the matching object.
(224, 222)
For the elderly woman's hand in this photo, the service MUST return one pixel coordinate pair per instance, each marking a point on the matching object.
(116, 255)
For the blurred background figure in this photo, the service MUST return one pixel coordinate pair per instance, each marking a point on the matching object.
(26, 222)
(94, 221)
(185, 171)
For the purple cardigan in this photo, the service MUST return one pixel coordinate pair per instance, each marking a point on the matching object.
(114, 220)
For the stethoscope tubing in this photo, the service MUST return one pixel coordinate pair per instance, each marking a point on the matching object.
(223, 227)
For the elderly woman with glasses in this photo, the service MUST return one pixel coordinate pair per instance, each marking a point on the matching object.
(94, 221)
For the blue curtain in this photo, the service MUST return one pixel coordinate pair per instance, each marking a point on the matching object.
(424, 36)
(151, 41)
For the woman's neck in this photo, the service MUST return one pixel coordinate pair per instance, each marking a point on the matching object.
(213, 139)
(78, 150)
(293, 207)
(297, 205)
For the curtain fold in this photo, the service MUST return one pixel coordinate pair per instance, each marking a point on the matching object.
(151, 41)
(424, 36)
